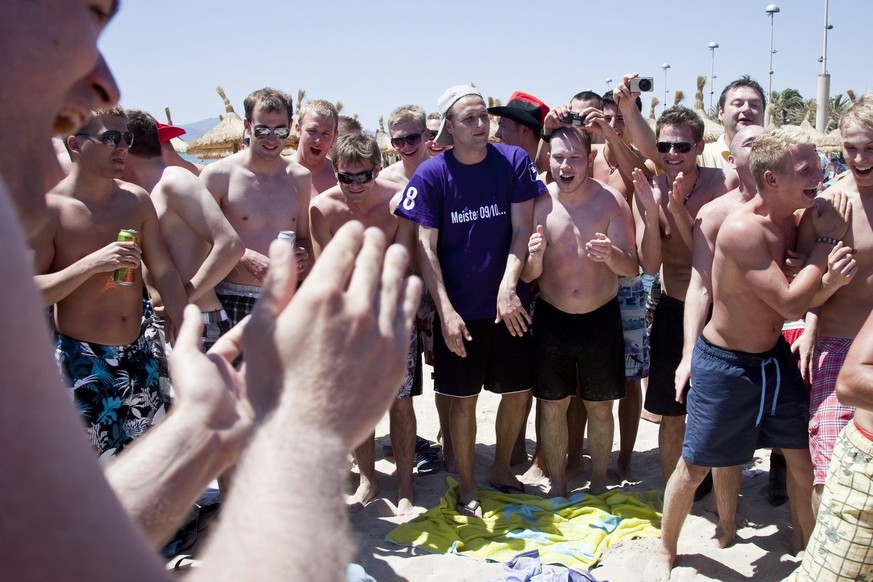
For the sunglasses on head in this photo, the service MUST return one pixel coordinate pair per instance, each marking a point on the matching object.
(681, 147)
(412, 140)
(360, 178)
(111, 137)
(262, 132)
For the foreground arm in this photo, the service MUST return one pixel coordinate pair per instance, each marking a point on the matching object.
(50, 474)
(158, 478)
(357, 302)
(647, 223)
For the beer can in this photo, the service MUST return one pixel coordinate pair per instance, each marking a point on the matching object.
(126, 275)
(288, 235)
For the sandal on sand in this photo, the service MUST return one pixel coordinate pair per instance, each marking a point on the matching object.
(468, 509)
(427, 462)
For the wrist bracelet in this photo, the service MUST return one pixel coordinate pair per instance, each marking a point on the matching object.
(827, 239)
(544, 135)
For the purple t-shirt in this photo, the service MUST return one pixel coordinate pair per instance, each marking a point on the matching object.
(470, 206)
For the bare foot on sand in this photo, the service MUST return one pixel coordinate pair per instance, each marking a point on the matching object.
(404, 506)
(659, 567)
(625, 473)
(725, 533)
(365, 494)
(536, 471)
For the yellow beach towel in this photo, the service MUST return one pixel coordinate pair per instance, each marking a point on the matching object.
(572, 532)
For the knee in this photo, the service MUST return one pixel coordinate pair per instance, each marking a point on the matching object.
(554, 409)
(599, 411)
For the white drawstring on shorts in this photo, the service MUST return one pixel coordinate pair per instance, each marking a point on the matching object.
(764, 388)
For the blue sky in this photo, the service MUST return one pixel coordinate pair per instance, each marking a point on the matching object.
(376, 55)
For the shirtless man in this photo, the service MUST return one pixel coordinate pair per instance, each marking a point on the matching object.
(407, 130)
(101, 346)
(832, 327)
(433, 127)
(261, 193)
(839, 548)
(679, 194)
(727, 480)
(740, 104)
(579, 345)
(202, 244)
(747, 391)
(364, 196)
(316, 128)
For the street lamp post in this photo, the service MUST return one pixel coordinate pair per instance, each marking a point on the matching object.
(771, 10)
(665, 66)
(824, 82)
(608, 83)
(712, 46)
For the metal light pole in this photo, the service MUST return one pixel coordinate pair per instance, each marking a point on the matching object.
(712, 46)
(824, 82)
(771, 10)
(608, 83)
(665, 66)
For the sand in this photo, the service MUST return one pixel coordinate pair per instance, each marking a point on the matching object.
(762, 550)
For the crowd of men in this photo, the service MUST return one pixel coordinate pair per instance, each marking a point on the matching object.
(532, 252)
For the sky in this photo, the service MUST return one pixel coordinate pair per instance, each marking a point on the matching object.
(376, 55)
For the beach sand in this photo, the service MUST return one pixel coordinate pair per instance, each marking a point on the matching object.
(762, 550)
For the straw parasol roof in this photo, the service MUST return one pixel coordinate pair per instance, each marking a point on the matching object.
(830, 143)
(180, 145)
(223, 139)
(711, 129)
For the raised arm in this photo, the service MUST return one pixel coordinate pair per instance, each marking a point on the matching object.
(356, 302)
(640, 132)
(646, 210)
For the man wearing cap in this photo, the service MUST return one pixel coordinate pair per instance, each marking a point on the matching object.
(168, 152)
(474, 206)
(521, 121)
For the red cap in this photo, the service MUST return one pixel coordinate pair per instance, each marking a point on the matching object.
(168, 132)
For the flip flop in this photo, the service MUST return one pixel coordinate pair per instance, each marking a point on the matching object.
(427, 462)
(468, 509)
(508, 489)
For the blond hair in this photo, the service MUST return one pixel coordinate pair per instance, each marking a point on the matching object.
(772, 151)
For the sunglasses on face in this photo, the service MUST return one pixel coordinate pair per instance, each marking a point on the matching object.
(262, 132)
(361, 178)
(111, 137)
(681, 147)
(412, 140)
(431, 134)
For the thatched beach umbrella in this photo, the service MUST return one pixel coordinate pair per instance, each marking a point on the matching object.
(180, 145)
(222, 140)
(383, 140)
(830, 143)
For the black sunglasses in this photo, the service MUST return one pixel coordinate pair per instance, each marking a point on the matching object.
(262, 132)
(412, 140)
(431, 134)
(681, 147)
(111, 137)
(361, 178)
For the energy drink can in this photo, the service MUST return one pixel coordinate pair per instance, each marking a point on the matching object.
(126, 275)
(288, 235)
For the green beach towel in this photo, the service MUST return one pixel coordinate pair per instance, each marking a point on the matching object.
(572, 532)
